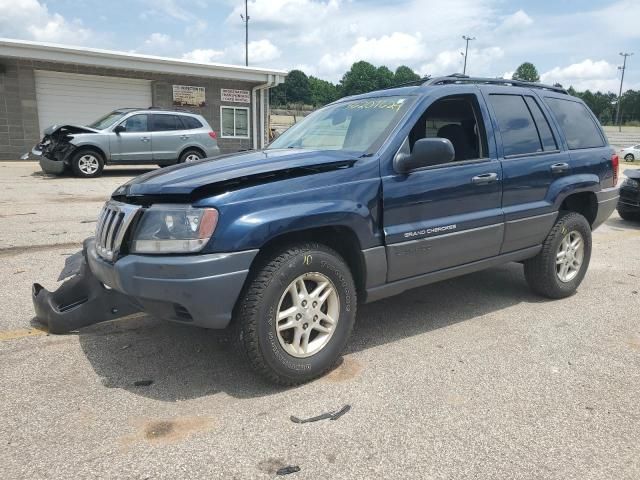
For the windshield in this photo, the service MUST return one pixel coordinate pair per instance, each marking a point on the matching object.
(358, 125)
(108, 120)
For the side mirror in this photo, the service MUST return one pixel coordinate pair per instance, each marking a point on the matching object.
(119, 129)
(426, 153)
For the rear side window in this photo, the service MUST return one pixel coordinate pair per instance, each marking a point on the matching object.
(544, 130)
(163, 123)
(575, 120)
(190, 123)
(519, 132)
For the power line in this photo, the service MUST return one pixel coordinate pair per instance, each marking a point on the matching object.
(245, 18)
(466, 52)
(622, 68)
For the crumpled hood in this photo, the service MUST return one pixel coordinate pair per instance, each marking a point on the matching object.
(246, 167)
(70, 129)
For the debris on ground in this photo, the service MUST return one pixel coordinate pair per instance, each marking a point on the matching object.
(288, 469)
(142, 383)
(329, 415)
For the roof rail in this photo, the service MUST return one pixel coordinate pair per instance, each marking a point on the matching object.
(172, 109)
(459, 78)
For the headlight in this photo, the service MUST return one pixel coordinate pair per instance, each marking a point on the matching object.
(174, 229)
(630, 182)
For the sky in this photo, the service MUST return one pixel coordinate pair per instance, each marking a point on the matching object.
(573, 42)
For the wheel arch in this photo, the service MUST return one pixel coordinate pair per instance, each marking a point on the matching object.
(340, 238)
(585, 203)
(89, 147)
(192, 147)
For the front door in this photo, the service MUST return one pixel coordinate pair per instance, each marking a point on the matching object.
(133, 144)
(451, 214)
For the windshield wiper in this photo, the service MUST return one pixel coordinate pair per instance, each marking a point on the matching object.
(365, 155)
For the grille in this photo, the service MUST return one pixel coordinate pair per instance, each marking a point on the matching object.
(113, 223)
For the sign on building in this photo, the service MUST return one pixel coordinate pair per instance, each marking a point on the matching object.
(188, 96)
(235, 96)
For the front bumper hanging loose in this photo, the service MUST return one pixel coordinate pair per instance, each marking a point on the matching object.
(79, 302)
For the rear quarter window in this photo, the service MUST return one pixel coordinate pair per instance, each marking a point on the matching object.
(576, 121)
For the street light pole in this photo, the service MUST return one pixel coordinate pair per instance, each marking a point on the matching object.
(466, 52)
(245, 19)
(623, 68)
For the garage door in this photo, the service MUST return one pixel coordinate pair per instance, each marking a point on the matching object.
(81, 99)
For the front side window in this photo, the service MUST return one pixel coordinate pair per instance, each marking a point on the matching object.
(234, 122)
(359, 126)
(136, 123)
(164, 123)
(577, 123)
(456, 118)
(517, 128)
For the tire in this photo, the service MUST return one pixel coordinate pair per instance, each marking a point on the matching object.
(629, 157)
(190, 155)
(543, 272)
(87, 164)
(274, 354)
(628, 216)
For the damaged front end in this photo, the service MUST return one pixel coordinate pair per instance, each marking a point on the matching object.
(80, 301)
(56, 147)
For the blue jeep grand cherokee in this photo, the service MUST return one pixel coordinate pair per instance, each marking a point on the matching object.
(367, 197)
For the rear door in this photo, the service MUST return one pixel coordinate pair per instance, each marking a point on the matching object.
(532, 160)
(134, 143)
(450, 214)
(168, 136)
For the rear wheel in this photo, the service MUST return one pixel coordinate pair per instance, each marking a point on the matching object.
(629, 157)
(558, 270)
(87, 164)
(297, 312)
(190, 155)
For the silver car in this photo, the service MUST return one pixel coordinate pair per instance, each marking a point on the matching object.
(127, 136)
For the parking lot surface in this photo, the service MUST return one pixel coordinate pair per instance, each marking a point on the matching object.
(475, 377)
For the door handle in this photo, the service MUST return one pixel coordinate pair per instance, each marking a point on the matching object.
(559, 167)
(184, 137)
(484, 178)
(144, 139)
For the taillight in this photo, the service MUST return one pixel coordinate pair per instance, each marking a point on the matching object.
(213, 135)
(615, 163)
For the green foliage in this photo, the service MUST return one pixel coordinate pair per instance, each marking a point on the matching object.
(295, 89)
(527, 72)
(362, 77)
(322, 92)
(384, 77)
(405, 75)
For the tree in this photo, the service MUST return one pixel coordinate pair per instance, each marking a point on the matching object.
(362, 77)
(405, 75)
(321, 92)
(527, 72)
(295, 89)
(385, 77)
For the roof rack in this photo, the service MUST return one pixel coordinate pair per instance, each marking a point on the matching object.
(460, 78)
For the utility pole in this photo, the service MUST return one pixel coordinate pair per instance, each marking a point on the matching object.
(466, 52)
(623, 68)
(245, 19)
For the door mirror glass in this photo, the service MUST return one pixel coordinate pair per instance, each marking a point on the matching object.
(426, 152)
(119, 129)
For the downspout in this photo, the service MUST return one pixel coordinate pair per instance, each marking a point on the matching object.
(272, 80)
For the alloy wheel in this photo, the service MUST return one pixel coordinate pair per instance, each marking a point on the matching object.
(308, 314)
(570, 256)
(88, 164)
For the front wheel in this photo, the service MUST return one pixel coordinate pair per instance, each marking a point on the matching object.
(297, 313)
(87, 164)
(558, 270)
(629, 157)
